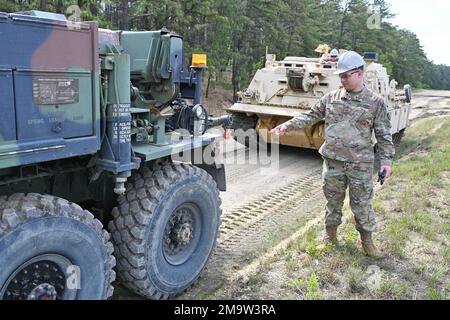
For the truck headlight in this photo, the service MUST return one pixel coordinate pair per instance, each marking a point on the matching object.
(198, 111)
(201, 119)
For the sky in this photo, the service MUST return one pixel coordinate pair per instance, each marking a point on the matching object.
(430, 21)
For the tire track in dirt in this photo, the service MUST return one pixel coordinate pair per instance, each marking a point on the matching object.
(247, 230)
(234, 221)
(428, 103)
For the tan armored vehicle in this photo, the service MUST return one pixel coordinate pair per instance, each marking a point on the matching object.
(284, 89)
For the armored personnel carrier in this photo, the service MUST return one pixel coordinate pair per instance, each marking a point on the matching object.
(284, 89)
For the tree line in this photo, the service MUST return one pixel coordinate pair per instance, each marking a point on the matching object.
(236, 34)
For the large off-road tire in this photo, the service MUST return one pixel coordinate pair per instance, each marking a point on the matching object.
(44, 242)
(165, 228)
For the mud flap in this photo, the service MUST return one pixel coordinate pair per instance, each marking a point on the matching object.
(217, 171)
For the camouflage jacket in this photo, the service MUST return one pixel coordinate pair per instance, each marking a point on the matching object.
(349, 122)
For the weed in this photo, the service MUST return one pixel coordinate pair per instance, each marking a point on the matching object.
(291, 263)
(355, 279)
(390, 289)
(351, 235)
(311, 248)
(435, 294)
(351, 241)
(397, 234)
(436, 275)
(326, 275)
(298, 284)
(447, 256)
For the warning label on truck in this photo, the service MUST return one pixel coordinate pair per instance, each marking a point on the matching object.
(122, 132)
(55, 91)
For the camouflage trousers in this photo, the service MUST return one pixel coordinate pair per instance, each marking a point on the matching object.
(336, 176)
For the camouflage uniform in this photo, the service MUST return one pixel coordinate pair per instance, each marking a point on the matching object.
(348, 153)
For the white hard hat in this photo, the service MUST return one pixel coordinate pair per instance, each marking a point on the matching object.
(334, 53)
(349, 61)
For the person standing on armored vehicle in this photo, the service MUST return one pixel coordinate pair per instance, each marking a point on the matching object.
(351, 114)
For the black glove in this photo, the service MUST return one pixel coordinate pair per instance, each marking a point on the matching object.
(381, 176)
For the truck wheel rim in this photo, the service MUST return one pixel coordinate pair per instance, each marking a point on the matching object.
(40, 278)
(182, 234)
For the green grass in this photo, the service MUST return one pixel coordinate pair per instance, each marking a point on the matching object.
(297, 284)
(351, 244)
(327, 276)
(447, 256)
(309, 288)
(378, 207)
(423, 181)
(355, 277)
(390, 289)
(414, 230)
(291, 262)
(424, 136)
(306, 243)
(412, 202)
(313, 291)
(397, 233)
(437, 277)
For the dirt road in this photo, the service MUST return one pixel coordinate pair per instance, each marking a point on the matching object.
(427, 103)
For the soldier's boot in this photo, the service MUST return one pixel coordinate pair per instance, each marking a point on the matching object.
(368, 245)
(330, 237)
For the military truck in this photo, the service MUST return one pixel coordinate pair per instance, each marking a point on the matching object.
(98, 133)
(284, 89)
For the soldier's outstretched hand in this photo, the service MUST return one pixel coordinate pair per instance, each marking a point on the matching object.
(279, 130)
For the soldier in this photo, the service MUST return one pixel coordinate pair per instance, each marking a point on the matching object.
(330, 58)
(351, 114)
(333, 56)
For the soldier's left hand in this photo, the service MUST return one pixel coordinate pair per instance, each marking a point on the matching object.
(388, 170)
